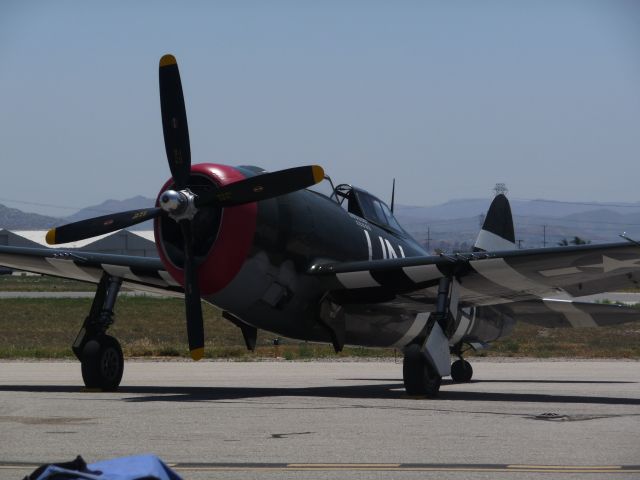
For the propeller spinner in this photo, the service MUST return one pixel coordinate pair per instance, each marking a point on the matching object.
(181, 204)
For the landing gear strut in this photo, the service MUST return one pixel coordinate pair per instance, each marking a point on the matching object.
(426, 362)
(100, 354)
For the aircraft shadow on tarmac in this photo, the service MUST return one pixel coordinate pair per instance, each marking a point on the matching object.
(445, 382)
(371, 391)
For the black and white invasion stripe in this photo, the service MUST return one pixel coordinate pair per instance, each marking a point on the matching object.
(135, 271)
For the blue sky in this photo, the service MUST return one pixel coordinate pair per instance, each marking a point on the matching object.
(449, 98)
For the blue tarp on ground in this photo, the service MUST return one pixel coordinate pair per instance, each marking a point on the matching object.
(124, 468)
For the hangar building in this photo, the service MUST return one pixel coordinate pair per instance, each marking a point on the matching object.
(123, 242)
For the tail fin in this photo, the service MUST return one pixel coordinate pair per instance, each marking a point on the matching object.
(497, 230)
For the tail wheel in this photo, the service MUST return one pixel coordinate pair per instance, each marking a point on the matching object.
(102, 363)
(420, 377)
(461, 371)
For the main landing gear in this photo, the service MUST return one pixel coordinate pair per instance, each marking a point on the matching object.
(100, 354)
(426, 362)
(419, 374)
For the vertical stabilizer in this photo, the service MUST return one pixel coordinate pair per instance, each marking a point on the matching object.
(497, 230)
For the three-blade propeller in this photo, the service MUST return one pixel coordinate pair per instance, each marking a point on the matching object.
(174, 203)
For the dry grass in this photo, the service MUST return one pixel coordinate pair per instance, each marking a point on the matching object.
(150, 326)
(146, 326)
(42, 283)
(621, 341)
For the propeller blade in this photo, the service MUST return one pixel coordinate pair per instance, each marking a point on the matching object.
(195, 324)
(262, 187)
(93, 227)
(174, 121)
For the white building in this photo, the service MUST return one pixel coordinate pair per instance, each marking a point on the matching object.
(123, 242)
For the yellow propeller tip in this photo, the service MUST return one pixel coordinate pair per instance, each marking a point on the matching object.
(197, 353)
(167, 60)
(51, 237)
(318, 173)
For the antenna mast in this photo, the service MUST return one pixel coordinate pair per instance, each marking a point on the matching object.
(393, 194)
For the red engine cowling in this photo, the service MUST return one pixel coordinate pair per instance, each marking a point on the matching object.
(222, 237)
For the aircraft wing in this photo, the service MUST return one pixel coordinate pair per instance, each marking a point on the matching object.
(555, 313)
(488, 278)
(139, 273)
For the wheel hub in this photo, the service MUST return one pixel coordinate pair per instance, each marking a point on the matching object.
(110, 363)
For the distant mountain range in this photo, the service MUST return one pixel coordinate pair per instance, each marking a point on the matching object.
(455, 224)
(543, 208)
(14, 219)
(452, 225)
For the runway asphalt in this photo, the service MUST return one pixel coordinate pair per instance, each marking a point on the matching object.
(337, 420)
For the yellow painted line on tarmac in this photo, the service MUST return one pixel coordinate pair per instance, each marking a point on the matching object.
(400, 469)
(571, 467)
(600, 471)
(344, 465)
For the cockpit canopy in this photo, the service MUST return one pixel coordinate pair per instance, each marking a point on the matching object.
(359, 202)
(365, 205)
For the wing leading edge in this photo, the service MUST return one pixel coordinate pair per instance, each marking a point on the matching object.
(488, 278)
(139, 273)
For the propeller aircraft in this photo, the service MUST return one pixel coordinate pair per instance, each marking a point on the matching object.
(273, 252)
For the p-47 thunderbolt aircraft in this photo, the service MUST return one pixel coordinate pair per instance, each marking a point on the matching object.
(274, 254)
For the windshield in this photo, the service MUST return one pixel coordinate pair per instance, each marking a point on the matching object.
(376, 211)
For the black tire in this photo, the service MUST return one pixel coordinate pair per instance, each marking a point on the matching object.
(102, 363)
(461, 371)
(420, 378)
